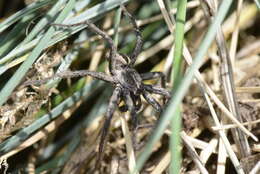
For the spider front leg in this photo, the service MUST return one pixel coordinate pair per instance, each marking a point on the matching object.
(96, 30)
(114, 100)
(139, 40)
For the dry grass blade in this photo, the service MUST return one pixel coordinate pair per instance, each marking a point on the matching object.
(188, 59)
(143, 22)
(221, 105)
(207, 152)
(256, 168)
(234, 40)
(129, 145)
(95, 61)
(222, 157)
(249, 11)
(62, 142)
(250, 49)
(201, 144)
(256, 147)
(163, 164)
(229, 126)
(253, 89)
(224, 138)
(166, 42)
(228, 84)
(165, 14)
(214, 97)
(195, 157)
(43, 133)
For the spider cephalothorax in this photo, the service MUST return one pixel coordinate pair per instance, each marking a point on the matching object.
(126, 80)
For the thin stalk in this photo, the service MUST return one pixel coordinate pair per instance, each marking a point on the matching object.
(19, 74)
(184, 85)
(177, 72)
(117, 20)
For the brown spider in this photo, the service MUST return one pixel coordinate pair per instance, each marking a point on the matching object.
(126, 80)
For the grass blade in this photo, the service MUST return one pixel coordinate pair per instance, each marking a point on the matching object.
(175, 143)
(17, 77)
(24, 12)
(14, 141)
(185, 83)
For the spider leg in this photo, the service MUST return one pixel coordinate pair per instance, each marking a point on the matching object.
(152, 101)
(158, 90)
(72, 74)
(138, 104)
(156, 75)
(132, 109)
(109, 114)
(139, 40)
(96, 30)
(81, 73)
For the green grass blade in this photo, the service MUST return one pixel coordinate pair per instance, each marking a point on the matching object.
(62, 34)
(24, 12)
(175, 140)
(43, 22)
(98, 109)
(19, 74)
(55, 164)
(117, 20)
(69, 58)
(185, 83)
(35, 31)
(257, 2)
(23, 134)
(10, 40)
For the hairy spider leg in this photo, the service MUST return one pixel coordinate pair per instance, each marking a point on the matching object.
(133, 113)
(139, 40)
(72, 74)
(162, 81)
(152, 101)
(113, 102)
(113, 50)
(82, 73)
(158, 90)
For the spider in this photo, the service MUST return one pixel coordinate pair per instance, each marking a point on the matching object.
(126, 80)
